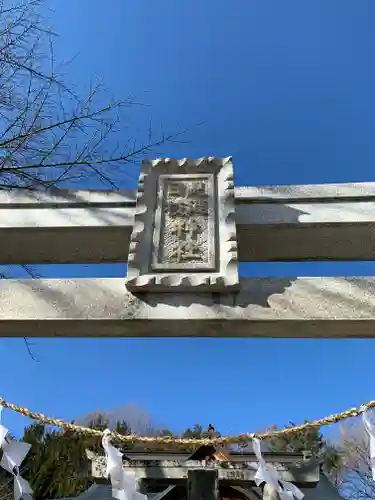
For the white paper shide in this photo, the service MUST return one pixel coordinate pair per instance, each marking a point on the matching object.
(267, 473)
(124, 484)
(14, 452)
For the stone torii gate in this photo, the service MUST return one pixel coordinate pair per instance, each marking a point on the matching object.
(183, 234)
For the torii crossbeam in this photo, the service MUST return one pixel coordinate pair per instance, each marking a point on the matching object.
(183, 233)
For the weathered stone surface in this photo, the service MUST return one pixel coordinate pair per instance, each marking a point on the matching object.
(235, 473)
(184, 230)
(184, 234)
(307, 222)
(264, 307)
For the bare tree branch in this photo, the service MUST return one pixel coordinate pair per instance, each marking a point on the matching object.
(48, 134)
(354, 477)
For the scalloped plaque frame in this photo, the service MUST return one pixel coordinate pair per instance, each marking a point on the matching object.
(184, 233)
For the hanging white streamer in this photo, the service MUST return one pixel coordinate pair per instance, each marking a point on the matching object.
(371, 431)
(14, 453)
(267, 473)
(3, 430)
(124, 483)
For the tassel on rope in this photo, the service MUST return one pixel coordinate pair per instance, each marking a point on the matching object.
(124, 483)
(14, 452)
(267, 473)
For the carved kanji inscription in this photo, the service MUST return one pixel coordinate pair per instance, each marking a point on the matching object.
(185, 230)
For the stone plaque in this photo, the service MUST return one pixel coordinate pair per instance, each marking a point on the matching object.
(184, 234)
(184, 231)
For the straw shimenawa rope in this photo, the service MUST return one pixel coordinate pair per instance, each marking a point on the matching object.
(240, 439)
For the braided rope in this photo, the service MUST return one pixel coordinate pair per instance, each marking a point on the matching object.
(225, 440)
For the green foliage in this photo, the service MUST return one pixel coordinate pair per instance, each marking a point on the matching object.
(306, 440)
(194, 433)
(310, 440)
(56, 465)
(123, 428)
(165, 432)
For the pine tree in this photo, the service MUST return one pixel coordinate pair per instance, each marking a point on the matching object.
(308, 440)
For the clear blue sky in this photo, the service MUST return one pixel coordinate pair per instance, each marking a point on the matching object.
(287, 88)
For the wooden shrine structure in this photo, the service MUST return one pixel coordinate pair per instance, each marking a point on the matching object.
(183, 234)
(182, 476)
